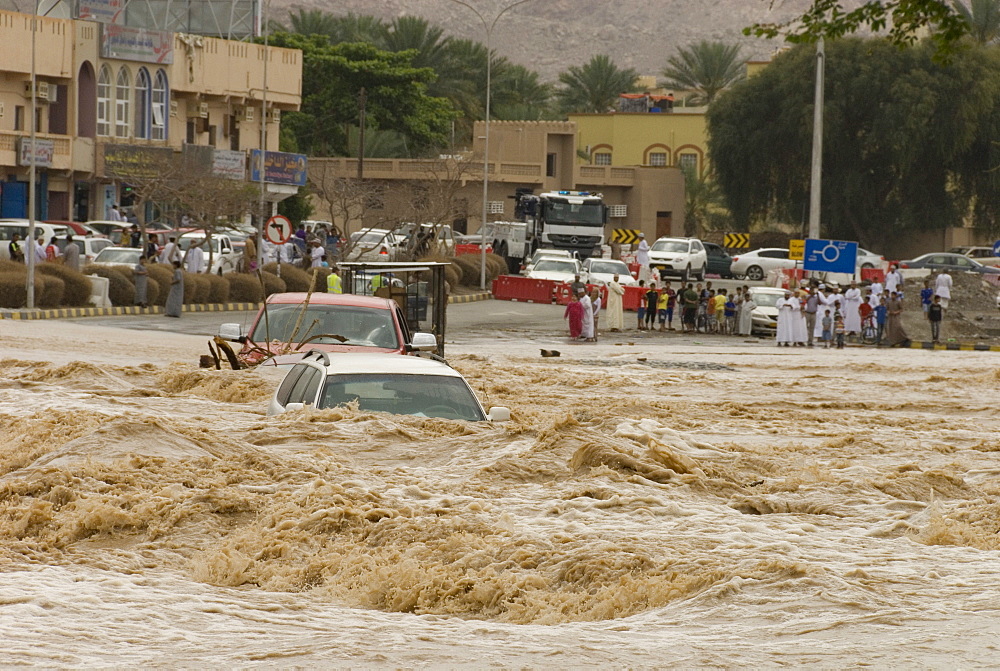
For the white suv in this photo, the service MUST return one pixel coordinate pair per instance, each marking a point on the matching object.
(685, 258)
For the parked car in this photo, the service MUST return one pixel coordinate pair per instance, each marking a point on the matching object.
(374, 244)
(224, 256)
(445, 238)
(757, 264)
(982, 254)
(679, 257)
(719, 260)
(381, 383)
(89, 247)
(868, 259)
(78, 229)
(764, 318)
(331, 323)
(43, 233)
(601, 271)
(539, 253)
(108, 228)
(560, 270)
(118, 256)
(949, 261)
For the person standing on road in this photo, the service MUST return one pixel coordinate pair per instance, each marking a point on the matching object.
(894, 281)
(14, 248)
(52, 251)
(616, 311)
(852, 309)
(810, 310)
(576, 286)
(170, 252)
(785, 333)
(894, 334)
(641, 312)
(71, 254)
(689, 308)
(926, 297)
(942, 287)
(195, 259)
(175, 299)
(141, 273)
(334, 285)
(587, 329)
(316, 253)
(935, 314)
(574, 313)
(642, 257)
(595, 303)
(652, 303)
(746, 313)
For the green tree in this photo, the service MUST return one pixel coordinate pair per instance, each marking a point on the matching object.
(518, 94)
(704, 206)
(705, 68)
(332, 79)
(595, 86)
(906, 140)
(905, 19)
(312, 22)
(983, 18)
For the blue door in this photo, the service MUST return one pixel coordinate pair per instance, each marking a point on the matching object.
(14, 200)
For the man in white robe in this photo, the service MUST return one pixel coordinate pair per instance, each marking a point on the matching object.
(893, 282)
(787, 306)
(615, 310)
(194, 260)
(587, 332)
(851, 304)
(942, 287)
(799, 322)
(746, 314)
(642, 258)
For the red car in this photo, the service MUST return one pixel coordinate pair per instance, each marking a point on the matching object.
(331, 322)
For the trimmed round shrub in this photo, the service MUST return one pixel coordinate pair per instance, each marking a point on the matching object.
(13, 292)
(200, 284)
(272, 283)
(218, 289)
(244, 288)
(121, 291)
(452, 274)
(295, 278)
(495, 266)
(77, 287)
(321, 275)
(8, 266)
(469, 265)
(161, 274)
(153, 291)
(48, 290)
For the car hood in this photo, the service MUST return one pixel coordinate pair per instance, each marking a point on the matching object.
(254, 357)
(557, 276)
(603, 278)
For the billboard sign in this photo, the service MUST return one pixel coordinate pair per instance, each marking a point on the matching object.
(44, 151)
(832, 256)
(137, 44)
(102, 11)
(229, 164)
(279, 167)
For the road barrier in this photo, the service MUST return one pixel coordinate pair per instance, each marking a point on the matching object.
(471, 249)
(872, 275)
(632, 298)
(525, 289)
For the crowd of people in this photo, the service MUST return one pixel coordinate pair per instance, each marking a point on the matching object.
(813, 313)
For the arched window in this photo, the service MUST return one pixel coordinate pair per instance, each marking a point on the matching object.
(104, 102)
(142, 92)
(123, 99)
(160, 100)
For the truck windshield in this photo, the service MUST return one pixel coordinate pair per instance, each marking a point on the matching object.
(587, 214)
(362, 326)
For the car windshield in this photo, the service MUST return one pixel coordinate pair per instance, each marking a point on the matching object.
(111, 255)
(186, 243)
(609, 268)
(587, 214)
(674, 246)
(422, 395)
(337, 324)
(765, 300)
(556, 266)
(367, 239)
(548, 254)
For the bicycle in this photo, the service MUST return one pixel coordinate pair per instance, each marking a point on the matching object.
(869, 330)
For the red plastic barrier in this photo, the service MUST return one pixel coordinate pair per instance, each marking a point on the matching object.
(471, 249)
(872, 275)
(563, 293)
(634, 269)
(630, 301)
(515, 288)
(790, 277)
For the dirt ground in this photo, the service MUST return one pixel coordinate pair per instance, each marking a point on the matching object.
(971, 316)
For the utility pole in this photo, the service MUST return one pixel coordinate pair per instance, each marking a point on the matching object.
(362, 102)
(816, 184)
(31, 242)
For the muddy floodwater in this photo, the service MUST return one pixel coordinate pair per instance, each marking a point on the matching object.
(648, 505)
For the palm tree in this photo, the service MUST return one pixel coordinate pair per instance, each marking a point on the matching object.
(705, 68)
(594, 87)
(312, 22)
(983, 17)
(519, 95)
(704, 207)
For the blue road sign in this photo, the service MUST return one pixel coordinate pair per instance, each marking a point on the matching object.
(831, 256)
(996, 248)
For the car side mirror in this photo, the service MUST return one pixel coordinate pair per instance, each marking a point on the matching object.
(423, 342)
(231, 332)
(295, 406)
(499, 414)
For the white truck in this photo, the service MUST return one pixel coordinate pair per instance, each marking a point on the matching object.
(569, 220)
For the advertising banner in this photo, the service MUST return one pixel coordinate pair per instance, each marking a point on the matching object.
(279, 167)
(137, 44)
(44, 151)
(102, 11)
(229, 164)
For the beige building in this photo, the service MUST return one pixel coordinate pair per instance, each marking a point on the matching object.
(538, 155)
(105, 91)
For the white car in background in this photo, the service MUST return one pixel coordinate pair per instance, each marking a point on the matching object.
(868, 259)
(560, 270)
(543, 253)
(399, 385)
(765, 315)
(757, 264)
(685, 258)
(118, 256)
(89, 247)
(374, 244)
(223, 253)
(601, 271)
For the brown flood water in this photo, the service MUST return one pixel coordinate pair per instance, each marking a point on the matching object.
(724, 506)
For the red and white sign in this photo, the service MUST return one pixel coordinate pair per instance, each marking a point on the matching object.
(278, 229)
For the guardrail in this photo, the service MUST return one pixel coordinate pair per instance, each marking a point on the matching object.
(471, 249)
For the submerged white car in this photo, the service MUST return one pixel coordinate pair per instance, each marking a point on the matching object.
(399, 385)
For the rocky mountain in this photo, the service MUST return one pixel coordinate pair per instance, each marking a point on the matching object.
(552, 35)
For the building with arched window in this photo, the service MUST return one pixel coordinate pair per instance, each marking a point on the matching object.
(106, 91)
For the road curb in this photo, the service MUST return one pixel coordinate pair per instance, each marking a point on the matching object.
(63, 313)
(954, 346)
(470, 298)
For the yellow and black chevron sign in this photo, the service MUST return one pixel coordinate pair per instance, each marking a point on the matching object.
(736, 240)
(626, 236)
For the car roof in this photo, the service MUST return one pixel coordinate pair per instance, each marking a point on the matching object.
(769, 290)
(672, 237)
(353, 363)
(352, 300)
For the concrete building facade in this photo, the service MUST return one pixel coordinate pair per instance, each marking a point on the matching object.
(98, 98)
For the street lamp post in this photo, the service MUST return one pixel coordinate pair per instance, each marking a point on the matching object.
(31, 242)
(262, 218)
(488, 26)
